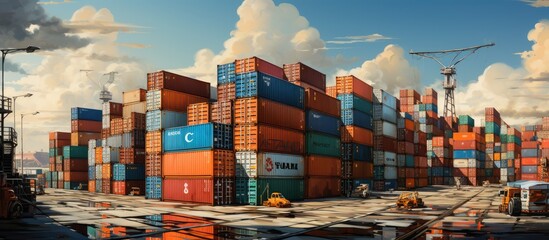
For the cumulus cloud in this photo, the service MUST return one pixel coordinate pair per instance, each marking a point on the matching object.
(359, 39)
(520, 94)
(13, 67)
(276, 33)
(17, 19)
(55, 2)
(537, 3)
(58, 84)
(389, 70)
(87, 21)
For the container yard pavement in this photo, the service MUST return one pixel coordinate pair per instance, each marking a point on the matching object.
(97, 215)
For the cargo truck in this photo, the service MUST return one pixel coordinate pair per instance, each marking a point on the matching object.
(525, 197)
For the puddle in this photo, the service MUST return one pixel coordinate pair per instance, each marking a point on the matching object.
(468, 213)
(102, 205)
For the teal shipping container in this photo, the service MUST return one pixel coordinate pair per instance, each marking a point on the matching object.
(322, 144)
(260, 188)
(466, 120)
(350, 101)
(75, 152)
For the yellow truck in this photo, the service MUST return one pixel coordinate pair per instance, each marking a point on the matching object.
(525, 197)
(277, 200)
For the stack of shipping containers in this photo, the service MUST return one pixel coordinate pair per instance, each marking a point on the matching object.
(530, 153)
(385, 141)
(269, 139)
(57, 141)
(167, 100)
(493, 143)
(322, 137)
(110, 155)
(543, 135)
(426, 113)
(406, 129)
(514, 143)
(468, 152)
(357, 138)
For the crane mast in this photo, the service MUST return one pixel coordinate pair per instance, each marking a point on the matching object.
(449, 71)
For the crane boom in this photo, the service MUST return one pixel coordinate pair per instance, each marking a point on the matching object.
(449, 71)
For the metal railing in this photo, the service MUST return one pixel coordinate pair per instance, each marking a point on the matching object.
(10, 135)
(5, 104)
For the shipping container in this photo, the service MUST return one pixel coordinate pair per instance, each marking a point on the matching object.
(134, 96)
(99, 155)
(113, 141)
(382, 97)
(134, 139)
(222, 112)
(322, 187)
(112, 109)
(385, 128)
(111, 155)
(257, 84)
(153, 142)
(153, 164)
(226, 92)
(354, 134)
(383, 112)
(59, 136)
(125, 187)
(351, 84)
(75, 152)
(167, 80)
(292, 188)
(123, 172)
(299, 72)
(132, 155)
(358, 152)
(316, 165)
(75, 165)
(85, 126)
(91, 172)
(321, 102)
(255, 64)
(76, 185)
(213, 191)
(75, 176)
(351, 101)
(263, 138)
(356, 117)
(258, 110)
(226, 73)
(322, 144)
(138, 107)
(198, 113)
(322, 123)
(264, 164)
(203, 136)
(171, 100)
(82, 138)
(78, 113)
(91, 185)
(218, 163)
(159, 120)
(530, 153)
(384, 158)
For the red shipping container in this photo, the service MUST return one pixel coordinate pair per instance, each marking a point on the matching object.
(60, 184)
(351, 84)
(440, 142)
(198, 113)
(437, 181)
(422, 182)
(258, 111)
(422, 172)
(299, 72)
(222, 112)
(85, 126)
(461, 172)
(316, 165)
(410, 172)
(82, 138)
(167, 80)
(117, 126)
(113, 109)
(106, 187)
(405, 135)
(132, 156)
(545, 143)
(472, 172)
(429, 100)
(60, 143)
(218, 163)
(173, 100)
(59, 136)
(421, 137)
(361, 169)
(322, 187)
(137, 121)
(322, 103)
(530, 144)
(529, 176)
(153, 164)
(307, 86)
(410, 183)
(212, 191)
(528, 136)
(465, 129)
(354, 134)
(105, 133)
(530, 162)
(125, 187)
(263, 138)
(401, 172)
(75, 176)
(332, 91)
(153, 142)
(91, 186)
(384, 143)
(226, 92)
(75, 165)
(59, 167)
(420, 150)
(464, 145)
(181, 221)
(255, 64)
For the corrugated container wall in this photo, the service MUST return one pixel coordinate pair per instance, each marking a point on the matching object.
(257, 84)
(171, 81)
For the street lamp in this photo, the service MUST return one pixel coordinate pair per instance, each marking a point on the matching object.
(15, 98)
(3, 109)
(22, 115)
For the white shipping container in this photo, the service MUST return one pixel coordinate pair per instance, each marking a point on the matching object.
(422, 114)
(132, 96)
(111, 155)
(114, 141)
(385, 128)
(461, 163)
(429, 145)
(385, 158)
(91, 156)
(139, 107)
(503, 178)
(154, 100)
(473, 163)
(252, 164)
(98, 171)
(106, 121)
(390, 172)
(503, 172)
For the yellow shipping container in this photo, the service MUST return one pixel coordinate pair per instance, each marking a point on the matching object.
(497, 156)
(489, 138)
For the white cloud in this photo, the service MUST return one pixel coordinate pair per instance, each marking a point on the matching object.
(537, 3)
(276, 33)
(389, 70)
(519, 94)
(87, 21)
(55, 2)
(359, 39)
(58, 84)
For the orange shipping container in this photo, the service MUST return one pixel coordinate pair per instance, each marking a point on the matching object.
(529, 162)
(132, 156)
(226, 92)
(354, 134)
(82, 138)
(106, 171)
(98, 155)
(171, 100)
(153, 165)
(134, 96)
(222, 112)
(529, 176)
(258, 110)
(86, 126)
(255, 64)
(410, 183)
(321, 102)
(137, 121)
(117, 126)
(467, 136)
(545, 144)
(307, 86)
(351, 84)
(322, 187)
(167, 80)
(331, 91)
(263, 138)
(316, 165)
(198, 113)
(75, 176)
(362, 169)
(91, 186)
(530, 144)
(218, 163)
(153, 142)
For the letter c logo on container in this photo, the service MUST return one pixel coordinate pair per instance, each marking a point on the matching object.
(187, 137)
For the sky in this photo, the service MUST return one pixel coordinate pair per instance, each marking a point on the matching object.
(369, 39)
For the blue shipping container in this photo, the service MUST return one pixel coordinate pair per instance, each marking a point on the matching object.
(382, 112)
(202, 136)
(262, 85)
(382, 97)
(437, 171)
(226, 73)
(75, 185)
(350, 101)
(529, 152)
(78, 113)
(529, 169)
(356, 152)
(410, 161)
(159, 120)
(153, 187)
(461, 154)
(390, 184)
(123, 172)
(322, 123)
(358, 118)
(91, 172)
